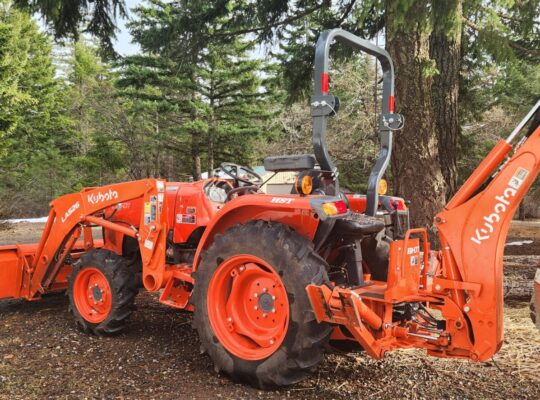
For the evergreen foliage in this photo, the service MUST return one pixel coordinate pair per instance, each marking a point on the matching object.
(199, 93)
(212, 96)
(68, 18)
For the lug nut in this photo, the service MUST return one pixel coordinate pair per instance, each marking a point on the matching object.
(265, 290)
(273, 297)
(265, 315)
(255, 295)
(273, 310)
(256, 308)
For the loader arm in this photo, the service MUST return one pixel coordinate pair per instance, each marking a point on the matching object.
(72, 216)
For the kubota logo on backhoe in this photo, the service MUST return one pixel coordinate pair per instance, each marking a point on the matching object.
(99, 197)
(503, 201)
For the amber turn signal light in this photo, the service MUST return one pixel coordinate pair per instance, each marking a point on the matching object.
(383, 187)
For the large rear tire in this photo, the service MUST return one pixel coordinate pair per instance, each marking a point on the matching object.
(252, 312)
(101, 291)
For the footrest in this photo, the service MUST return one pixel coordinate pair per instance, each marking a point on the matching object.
(357, 224)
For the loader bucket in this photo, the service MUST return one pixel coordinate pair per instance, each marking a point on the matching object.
(16, 270)
(13, 260)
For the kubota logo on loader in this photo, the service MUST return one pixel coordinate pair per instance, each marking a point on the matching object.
(500, 208)
(99, 197)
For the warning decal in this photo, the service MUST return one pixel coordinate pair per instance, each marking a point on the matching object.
(186, 219)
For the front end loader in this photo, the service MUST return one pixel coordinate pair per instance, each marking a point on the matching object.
(273, 281)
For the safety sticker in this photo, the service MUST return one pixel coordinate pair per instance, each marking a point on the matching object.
(148, 244)
(191, 210)
(160, 197)
(186, 219)
(517, 180)
(160, 186)
(147, 212)
(414, 260)
(153, 208)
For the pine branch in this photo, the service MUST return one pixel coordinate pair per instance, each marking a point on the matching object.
(286, 21)
(513, 19)
(511, 43)
(346, 13)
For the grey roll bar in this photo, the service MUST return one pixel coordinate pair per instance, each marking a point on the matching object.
(323, 106)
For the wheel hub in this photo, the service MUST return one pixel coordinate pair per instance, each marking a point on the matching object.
(97, 293)
(266, 303)
(92, 295)
(248, 307)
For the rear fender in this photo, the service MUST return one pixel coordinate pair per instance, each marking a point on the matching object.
(293, 211)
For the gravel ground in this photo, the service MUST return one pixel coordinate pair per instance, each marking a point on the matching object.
(43, 355)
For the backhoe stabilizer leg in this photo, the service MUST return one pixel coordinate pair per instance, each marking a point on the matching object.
(344, 307)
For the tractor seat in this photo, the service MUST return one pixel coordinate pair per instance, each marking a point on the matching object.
(299, 162)
(356, 225)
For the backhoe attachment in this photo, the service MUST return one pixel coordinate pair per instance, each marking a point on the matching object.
(449, 302)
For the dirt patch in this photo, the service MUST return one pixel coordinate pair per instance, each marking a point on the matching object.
(43, 355)
(22, 232)
(525, 229)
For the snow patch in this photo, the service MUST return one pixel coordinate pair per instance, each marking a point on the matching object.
(39, 220)
(519, 243)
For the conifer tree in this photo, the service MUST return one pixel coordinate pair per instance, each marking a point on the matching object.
(210, 93)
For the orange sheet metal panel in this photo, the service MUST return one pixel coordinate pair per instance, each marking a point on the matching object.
(404, 270)
(11, 272)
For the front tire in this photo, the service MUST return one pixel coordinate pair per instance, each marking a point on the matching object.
(101, 291)
(252, 312)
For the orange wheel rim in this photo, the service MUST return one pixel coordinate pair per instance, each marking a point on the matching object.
(92, 295)
(248, 307)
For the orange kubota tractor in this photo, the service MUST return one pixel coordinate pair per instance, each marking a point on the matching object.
(273, 279)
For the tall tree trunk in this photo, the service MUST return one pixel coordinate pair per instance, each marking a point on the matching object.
(195, 156)
(445, 50)
(211, 136)
(195, 141)
(415, 163)
(521, 211)
(210, 151)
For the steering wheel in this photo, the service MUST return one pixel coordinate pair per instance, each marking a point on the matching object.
(232, 170)
(242, 189)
